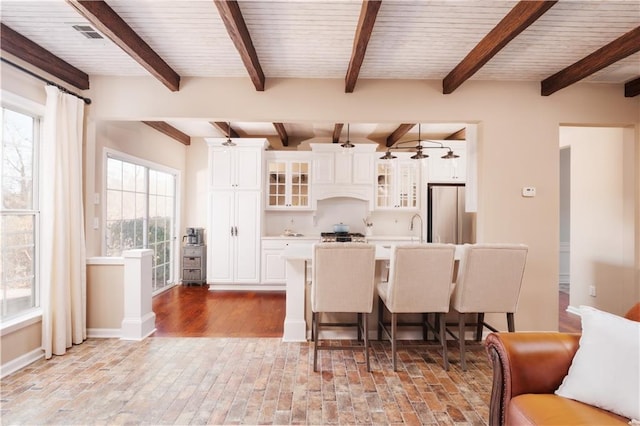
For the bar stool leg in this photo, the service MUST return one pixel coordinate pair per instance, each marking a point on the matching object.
(461, 330)
(510, 322)
(394, 329)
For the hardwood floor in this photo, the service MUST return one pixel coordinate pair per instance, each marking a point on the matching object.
(197, 312)
(567, 322)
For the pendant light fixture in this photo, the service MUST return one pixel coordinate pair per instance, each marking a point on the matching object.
(450, 155)
(388, 155)
(348, 143)
(419, 155)
(229, 142)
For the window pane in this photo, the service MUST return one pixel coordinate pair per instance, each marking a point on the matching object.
(141, 215)
(128, 177)
(114, 174)
(19, 177)
(17, 160)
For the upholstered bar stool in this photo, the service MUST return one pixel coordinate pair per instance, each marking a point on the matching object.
(489, 281)
(342, 281)
(420, 281)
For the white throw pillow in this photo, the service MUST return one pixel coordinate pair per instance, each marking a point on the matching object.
(605, 371)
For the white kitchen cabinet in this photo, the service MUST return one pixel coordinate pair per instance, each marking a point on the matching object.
(273, 263)
(448, 170)
(236, 167)
(333, 164)
(234, 237)
(235, 211)
(342, 172)
(288, 182)
(398, 184)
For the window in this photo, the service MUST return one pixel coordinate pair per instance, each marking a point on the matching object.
(140, 213)
(19, 210)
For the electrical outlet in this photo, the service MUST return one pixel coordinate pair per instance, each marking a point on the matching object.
(592, 290)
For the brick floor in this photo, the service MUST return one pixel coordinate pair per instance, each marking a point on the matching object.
(164, 380)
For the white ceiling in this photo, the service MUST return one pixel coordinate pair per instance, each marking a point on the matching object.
(413, 39)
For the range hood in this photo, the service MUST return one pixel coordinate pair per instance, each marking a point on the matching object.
(359, 192)
(343, 172)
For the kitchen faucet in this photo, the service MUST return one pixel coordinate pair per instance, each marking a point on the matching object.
(421, 224)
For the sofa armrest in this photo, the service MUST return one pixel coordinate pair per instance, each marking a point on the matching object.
(527, 362)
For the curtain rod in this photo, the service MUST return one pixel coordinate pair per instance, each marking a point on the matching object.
(32, 74)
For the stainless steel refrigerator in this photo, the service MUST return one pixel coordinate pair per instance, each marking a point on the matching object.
(447, 221)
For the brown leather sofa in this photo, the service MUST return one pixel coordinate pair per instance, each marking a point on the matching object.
(527, 368)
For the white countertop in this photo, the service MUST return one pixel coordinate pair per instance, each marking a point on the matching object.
(288, 238)
(305, 252)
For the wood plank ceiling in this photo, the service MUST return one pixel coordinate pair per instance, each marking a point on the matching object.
(555, 43)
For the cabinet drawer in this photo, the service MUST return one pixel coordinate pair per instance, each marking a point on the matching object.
(191, 274)
(192, 251)
(191, 262)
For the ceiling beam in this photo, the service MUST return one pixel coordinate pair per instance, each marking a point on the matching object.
(460, 135)
(36, 55)
(169, 130)
(108, 22)
(618, 49)
(517, 20)
(632, 88)
(367, 20)
(224, 128)
(337, 130)
(399, 133)
(282, 132)
(231, 15)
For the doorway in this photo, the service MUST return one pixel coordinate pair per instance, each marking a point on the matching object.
(597, 226)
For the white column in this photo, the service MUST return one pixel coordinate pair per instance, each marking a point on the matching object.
(139, 320)
(295, 326)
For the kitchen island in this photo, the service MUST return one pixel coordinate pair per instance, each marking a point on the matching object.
(298, 261)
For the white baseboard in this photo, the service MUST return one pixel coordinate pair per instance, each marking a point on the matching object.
(247, 287)
(20, 362)
(573, 310)
(104, 333)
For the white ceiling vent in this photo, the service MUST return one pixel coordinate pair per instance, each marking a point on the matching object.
(88, 31)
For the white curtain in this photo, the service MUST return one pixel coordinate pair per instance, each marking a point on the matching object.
(63, 269)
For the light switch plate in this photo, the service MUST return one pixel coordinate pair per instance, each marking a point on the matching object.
(529, 191)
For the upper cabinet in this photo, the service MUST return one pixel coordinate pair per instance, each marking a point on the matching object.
(236, 167)
(343, 172)
(398, 184)
(288, 181)
(448, 170)
(333, 164)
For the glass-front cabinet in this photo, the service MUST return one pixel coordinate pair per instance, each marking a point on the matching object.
(397, 184)
(288, 182)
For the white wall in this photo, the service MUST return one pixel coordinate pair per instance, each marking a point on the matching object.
(565, 218)
(517, 143)
(602, 218)
(137, 140)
